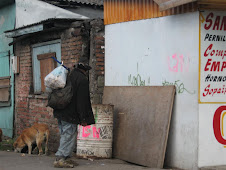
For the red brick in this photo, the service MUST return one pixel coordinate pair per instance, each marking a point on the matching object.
(100, 59)
(99, 50)
(98, 46)
(100, 68)
(99, 38)
(99, 55)
(100, 63)
(100, 72)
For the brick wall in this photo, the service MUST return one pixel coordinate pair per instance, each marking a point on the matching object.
(75, 43)
(97, 46)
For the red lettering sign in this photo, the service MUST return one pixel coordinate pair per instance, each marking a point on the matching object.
(217, 125)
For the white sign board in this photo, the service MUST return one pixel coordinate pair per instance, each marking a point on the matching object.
(212, 57)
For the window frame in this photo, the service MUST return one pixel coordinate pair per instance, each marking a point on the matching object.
(38, 49)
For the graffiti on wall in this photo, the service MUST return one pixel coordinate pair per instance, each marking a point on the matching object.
(178, 63)
(137, 80)
(95, 132)
(180, 87)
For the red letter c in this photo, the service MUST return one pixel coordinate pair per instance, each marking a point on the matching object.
(217, 124)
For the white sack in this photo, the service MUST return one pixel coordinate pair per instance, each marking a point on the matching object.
(57, 78)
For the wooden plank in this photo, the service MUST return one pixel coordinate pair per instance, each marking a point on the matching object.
(4, 82)
(5, 104)
(4, 86)
(160, 1)
(7, 77)
(47, 64)
(4, 89)
(4, 94)
(173, 3)
(141, 122)
(46, 56)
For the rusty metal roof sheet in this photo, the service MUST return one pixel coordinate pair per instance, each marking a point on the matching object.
(92, 2)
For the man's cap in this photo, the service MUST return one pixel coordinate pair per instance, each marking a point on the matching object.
(83, 64)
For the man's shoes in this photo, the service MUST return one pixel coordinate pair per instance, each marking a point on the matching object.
(62, 163)
(72, 162)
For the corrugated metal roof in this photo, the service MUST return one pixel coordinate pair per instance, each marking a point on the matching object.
(49, 20)
(88, 2)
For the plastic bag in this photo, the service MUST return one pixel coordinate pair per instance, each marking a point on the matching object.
(57, 78)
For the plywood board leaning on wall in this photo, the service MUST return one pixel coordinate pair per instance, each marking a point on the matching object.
(141, 122)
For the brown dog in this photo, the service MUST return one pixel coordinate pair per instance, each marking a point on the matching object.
(0, 135)
(36, 133)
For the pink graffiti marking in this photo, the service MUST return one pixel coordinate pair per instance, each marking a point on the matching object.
(178, 62)
(175, 67)
(86, 131)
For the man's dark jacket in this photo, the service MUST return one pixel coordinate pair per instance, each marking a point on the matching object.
(79, 110)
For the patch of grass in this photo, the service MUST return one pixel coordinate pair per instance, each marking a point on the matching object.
(7, 144)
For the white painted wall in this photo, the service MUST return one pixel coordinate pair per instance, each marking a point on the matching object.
(161, 51)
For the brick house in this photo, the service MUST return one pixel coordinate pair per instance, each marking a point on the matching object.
(13, 15)
(67, 40)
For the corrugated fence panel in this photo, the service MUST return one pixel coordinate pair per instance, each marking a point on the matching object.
(116, 11)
